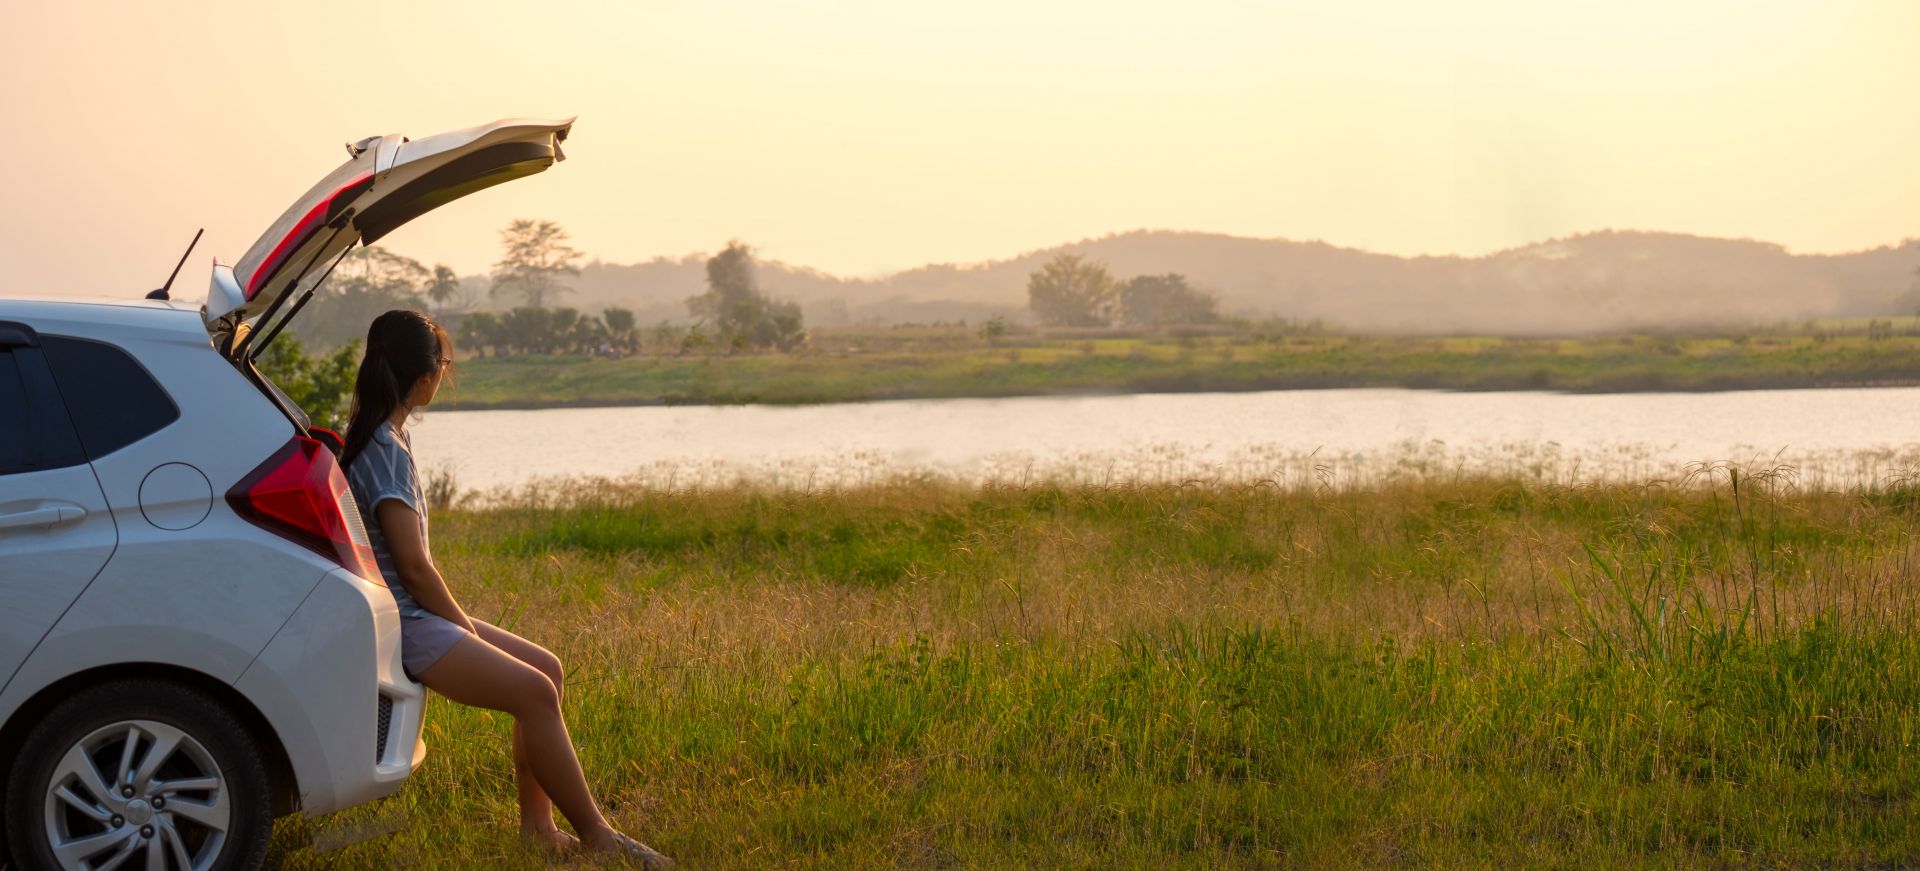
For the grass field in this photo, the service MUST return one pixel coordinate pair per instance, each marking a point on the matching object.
(1439, 673)
(936, 362)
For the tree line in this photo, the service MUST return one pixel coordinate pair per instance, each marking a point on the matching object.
(1071, 291)
(733, 315)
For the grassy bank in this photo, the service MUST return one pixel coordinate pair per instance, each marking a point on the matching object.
(847, 366)
(1444, 674)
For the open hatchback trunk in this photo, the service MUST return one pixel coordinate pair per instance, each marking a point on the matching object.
(386, 182)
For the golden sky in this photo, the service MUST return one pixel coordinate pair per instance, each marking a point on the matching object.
(864, 136)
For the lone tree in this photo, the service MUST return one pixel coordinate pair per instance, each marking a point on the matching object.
(622, 333)
(1070, 291)
(1161, 300)
(742, 315)
(535, 255)
(444, 287)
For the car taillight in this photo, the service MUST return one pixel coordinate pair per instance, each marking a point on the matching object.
(328, 437)
(300, 494)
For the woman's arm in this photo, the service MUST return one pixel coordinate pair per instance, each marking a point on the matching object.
(402, 528)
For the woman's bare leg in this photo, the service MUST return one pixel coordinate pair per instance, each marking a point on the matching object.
(474, 672)
(536, 809)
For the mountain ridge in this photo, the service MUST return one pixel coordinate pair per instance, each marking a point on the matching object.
(1602, 280)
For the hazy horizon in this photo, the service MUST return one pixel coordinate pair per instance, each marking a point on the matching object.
(1600, 281)
(593, 258)
(871, 138)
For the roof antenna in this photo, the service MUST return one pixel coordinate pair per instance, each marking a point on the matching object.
(161, 292)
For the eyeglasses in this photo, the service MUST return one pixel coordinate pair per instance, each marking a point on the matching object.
(444, 361)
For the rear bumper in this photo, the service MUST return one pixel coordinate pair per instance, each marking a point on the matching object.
(326, 682)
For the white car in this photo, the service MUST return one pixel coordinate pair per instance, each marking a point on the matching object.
(193, 636)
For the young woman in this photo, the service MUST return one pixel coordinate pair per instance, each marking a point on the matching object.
(465, 659)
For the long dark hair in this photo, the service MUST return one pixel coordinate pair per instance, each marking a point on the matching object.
(402, 346)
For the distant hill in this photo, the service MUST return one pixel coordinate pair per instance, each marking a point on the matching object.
(1611, 280)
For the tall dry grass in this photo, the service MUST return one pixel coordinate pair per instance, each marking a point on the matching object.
(1719, 669)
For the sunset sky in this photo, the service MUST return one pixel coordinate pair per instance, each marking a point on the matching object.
(862, 137)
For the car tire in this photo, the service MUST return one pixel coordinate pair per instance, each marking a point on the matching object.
(85, 787)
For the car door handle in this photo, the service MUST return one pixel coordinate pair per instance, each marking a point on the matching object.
(44, 517)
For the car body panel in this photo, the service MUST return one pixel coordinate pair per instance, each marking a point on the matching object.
(342, 644)
(43, 570)
(105, 637)
(97, 317)
(223, 599)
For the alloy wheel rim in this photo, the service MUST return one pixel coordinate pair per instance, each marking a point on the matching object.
(137, 794)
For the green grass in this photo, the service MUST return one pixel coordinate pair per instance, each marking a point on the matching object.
(937, 363)
(1440, 674)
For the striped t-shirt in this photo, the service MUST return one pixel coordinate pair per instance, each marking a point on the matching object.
(384, 470)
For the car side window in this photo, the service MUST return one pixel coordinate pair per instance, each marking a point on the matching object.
(16, 454)
(35, 434)
(112, 399)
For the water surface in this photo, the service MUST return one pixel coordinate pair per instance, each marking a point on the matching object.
(1839, 436)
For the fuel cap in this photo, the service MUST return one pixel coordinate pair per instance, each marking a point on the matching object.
(176, 496)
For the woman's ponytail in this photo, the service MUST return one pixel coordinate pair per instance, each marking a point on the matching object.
(402, 347)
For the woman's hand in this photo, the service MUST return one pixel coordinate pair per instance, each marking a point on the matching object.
(401, 525)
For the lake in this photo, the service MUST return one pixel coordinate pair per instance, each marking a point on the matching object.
(1830, 437)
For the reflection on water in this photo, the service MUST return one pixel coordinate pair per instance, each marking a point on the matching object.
(1290, 438)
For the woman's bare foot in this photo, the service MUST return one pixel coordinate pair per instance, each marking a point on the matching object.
(552, 839)
(610, 841)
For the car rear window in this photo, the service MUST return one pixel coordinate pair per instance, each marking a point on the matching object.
(34, 432)
(16, 419)
(112, 399)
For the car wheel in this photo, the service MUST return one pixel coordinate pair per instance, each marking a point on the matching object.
(139, 775)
